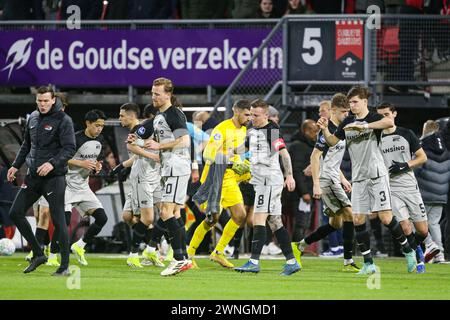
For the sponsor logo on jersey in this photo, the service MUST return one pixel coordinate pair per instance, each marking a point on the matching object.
(48, 127)
(356, 136)
(89, 156)
(394, 149)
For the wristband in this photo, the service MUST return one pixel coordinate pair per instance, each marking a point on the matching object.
(194, 166)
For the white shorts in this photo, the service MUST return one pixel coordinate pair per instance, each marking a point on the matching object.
(175, 189)
(142, 195)
(371, 195)
(408, 205)
(157, 194)
(268, 199)
(334, 198)
(83, 201)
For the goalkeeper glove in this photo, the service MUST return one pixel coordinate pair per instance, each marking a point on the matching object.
(398, 167)
(241, 167)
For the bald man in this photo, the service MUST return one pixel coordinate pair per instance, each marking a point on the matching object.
(205, 119)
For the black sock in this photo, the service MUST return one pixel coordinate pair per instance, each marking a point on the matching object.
(419, 241)
(54, 245)
(68, 216)
(47, 238)
(40, 235)
(237, 238)
(420, 238)
(175, 233)
(398, 234)
(363, 239)
(375, 226)
(158, 232)
(411, 240)
(139, 230)
(284, 242)
(249, 238)
(259, 238)
(183, 236)
(412, 243)
(319, 234)
(100, 220)
(347, 237)
(268, 235)
(148, 235)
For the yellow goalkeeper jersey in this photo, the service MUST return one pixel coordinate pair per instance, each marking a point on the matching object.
(229, 140)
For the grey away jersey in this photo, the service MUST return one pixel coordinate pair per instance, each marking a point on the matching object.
(87, 149)
(145, 169)
(170, 125)
(264, 144)
(330, 163)
(400, 146)
(364, 148)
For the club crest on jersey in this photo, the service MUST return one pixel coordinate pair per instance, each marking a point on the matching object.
(141, 131)
(322, 139)
(217, 136)
(48, 127)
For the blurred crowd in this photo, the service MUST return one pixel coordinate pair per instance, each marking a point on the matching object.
(205, 9)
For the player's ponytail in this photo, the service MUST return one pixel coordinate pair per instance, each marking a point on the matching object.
(175, 102)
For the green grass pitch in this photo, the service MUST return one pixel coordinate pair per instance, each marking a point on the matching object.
(108, 277)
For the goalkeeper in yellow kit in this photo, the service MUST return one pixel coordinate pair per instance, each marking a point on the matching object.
(228, 137)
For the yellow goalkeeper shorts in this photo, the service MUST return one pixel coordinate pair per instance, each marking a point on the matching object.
(231, 195)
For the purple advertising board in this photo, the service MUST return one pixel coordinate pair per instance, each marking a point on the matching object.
(192, 57)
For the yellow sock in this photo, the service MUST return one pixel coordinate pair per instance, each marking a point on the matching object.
(198, 237)
(227, 234)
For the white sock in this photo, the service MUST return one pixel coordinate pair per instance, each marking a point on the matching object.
(150, 249)
(348, 261)
(254, 261)
(302, 245)
(291, 261)
(81, 243)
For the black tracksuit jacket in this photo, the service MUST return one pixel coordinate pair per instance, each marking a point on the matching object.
(48, 138)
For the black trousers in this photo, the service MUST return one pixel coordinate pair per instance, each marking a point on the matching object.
(52, 188)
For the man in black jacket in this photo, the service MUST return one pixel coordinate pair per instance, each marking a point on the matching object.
(49, 142)
(300, 151)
